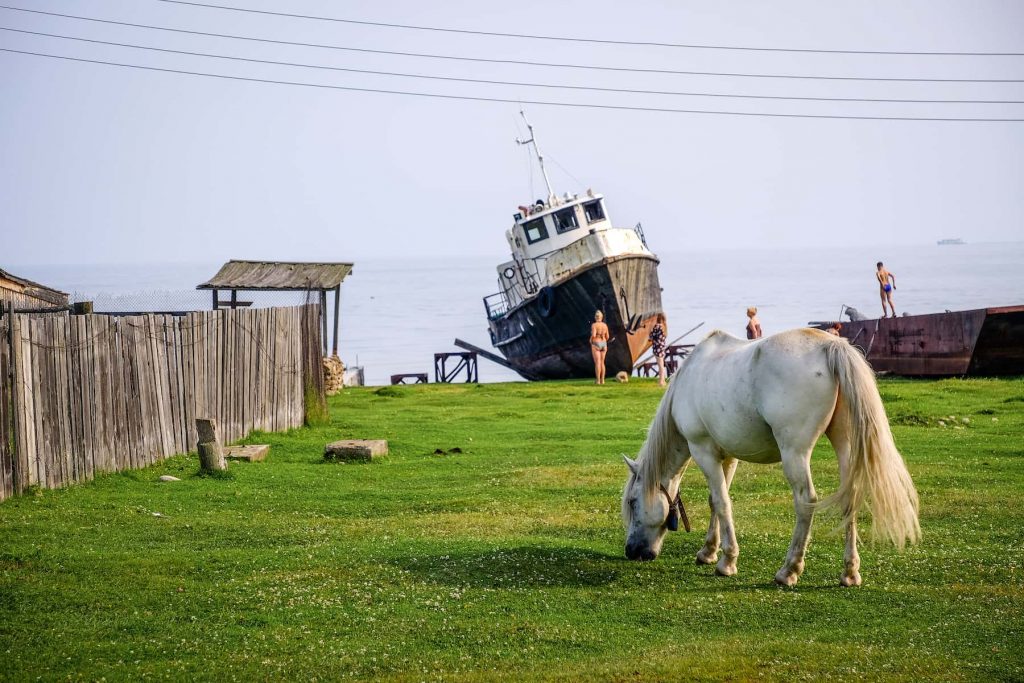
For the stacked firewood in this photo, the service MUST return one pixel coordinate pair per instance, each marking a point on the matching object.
(334, 371)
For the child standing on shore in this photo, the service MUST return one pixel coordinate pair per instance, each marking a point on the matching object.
(659, 335)
(753, 325)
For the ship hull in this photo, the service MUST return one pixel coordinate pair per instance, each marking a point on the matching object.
(981, 342)
(548, 336)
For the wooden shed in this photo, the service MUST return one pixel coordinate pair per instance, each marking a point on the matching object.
(28, 295)
(281, 276)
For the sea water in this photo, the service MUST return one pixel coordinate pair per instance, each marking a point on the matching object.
(395, 314)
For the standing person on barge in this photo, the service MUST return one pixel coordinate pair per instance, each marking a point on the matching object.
(599, 345)
(886, 283)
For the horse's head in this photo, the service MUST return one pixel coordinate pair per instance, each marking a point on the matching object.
(648, 512)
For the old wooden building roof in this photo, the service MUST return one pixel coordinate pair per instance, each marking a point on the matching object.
(278, 275)
(26, 293)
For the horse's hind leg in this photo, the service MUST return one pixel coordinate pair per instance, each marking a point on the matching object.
(838, 434)
(796, 464)
(709, 553)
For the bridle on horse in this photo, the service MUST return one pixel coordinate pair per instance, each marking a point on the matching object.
(675, 511)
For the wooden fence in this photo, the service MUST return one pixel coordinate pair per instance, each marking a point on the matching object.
(94, 393)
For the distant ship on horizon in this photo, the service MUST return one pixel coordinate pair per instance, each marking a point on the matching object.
(950, 240)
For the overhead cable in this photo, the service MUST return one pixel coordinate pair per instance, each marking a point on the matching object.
(599, 41)
(471, 98)
(513, 61)
(511, 83)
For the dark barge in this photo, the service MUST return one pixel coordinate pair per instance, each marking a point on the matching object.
(979, 342)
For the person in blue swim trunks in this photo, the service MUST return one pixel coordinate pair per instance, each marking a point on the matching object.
(886, 285)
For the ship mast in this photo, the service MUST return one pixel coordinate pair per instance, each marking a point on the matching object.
(540, 157)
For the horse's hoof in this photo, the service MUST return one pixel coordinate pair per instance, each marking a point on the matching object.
(786, 578)
(850, 580)
(725, 569)
(704, 557)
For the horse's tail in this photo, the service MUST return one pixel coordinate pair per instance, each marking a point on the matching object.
(876, 473)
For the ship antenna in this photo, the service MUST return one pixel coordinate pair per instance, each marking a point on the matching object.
(540, 157)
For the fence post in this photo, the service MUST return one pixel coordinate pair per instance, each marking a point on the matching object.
(211, 454)
(6, 406)
(12, 362)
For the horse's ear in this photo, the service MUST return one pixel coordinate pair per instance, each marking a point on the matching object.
(631, 464)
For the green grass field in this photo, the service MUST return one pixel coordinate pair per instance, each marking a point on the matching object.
(505, 560)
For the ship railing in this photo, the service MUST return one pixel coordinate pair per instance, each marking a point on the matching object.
(530, 280)
(639, 230)
(496, 305)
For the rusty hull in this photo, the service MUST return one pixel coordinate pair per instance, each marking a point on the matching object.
(984, 341)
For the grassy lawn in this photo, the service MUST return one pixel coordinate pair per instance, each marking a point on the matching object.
(505, 560)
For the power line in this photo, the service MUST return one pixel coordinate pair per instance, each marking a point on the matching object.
(512, 83)
(472, 98)
(514, 61)
(590, 40)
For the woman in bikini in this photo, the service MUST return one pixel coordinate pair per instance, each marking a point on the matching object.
(658, 335)
(599, 345)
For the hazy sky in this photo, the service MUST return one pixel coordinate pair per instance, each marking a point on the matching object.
(107, 164)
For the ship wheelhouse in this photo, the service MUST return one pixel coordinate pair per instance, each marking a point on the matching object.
(551, 241)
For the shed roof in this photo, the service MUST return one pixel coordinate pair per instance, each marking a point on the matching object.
(278, 275)
(20, 285)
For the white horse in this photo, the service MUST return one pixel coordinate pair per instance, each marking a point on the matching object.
(762, 402)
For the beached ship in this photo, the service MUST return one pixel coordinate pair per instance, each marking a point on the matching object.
(979, 342)
(568, 261)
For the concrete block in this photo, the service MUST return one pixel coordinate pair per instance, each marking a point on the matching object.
(356, 449)
(253, 453)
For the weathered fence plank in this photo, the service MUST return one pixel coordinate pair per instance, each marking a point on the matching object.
(6, 406)
(76, 442)
(133, 397)
(24, 422)
(38, 377)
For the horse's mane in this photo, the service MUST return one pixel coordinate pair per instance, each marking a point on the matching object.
(654, 459)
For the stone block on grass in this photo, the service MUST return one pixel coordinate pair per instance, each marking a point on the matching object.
(360, 450)
(252, 453)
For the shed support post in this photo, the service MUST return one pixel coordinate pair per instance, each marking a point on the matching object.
(337, 305)
(323, 316)
(234, 299)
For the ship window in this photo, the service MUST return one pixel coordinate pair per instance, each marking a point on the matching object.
(594, 211)
(535, 230)
(565, 220)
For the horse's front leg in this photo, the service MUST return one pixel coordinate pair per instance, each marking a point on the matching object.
(710, 461)
(709, 553)
(797, 467)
